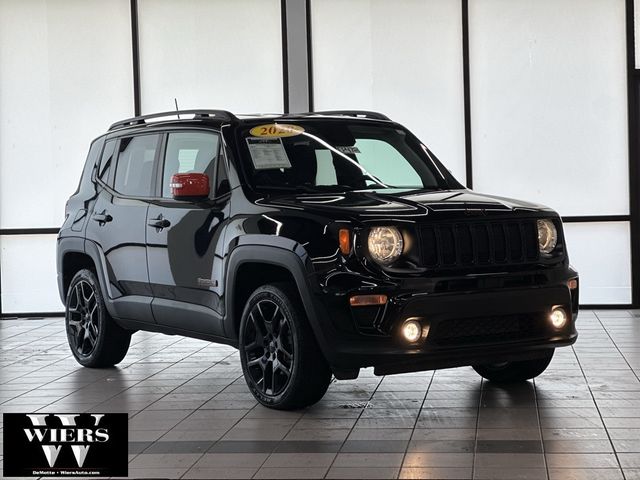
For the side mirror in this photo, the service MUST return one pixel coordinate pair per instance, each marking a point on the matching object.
(189, 185)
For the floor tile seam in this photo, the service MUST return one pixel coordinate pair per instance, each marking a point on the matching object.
(193, 410)
(285, 436)
(230, 427)
(354, 425)
(424, 399)
(617, 348)
(544, 454)
(615, 453)
(130, 386)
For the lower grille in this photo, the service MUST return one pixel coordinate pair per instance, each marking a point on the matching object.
(475, 243)
(481, 330)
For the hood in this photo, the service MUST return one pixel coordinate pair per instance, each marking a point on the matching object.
(406, 205)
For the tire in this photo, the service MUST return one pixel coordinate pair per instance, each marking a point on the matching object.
(94, 338)
(512, 372)
(281, 361)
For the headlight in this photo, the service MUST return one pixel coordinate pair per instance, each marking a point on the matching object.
(547, 236)
(385, 244)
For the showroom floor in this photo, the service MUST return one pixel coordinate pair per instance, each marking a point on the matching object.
(191, 415)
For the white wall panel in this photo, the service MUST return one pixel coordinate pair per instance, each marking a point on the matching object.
(211, 54)
(29, 274)
(549, 102)
(403, 58)
(601, 254)
(65, 75)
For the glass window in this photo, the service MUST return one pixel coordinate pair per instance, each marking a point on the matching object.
(106, 161)
(329, 155)
(135, 165)
(189, 152)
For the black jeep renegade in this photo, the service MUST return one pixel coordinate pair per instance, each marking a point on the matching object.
(316, 243)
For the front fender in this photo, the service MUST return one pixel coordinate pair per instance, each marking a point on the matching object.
(293, 257)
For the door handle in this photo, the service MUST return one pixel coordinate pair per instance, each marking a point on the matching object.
(102, 218)
(159, 223)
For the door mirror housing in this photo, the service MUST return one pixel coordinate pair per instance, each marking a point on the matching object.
(189, 186)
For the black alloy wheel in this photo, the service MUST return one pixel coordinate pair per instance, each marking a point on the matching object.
(83, 318)
(94, 337)
(281, 361)
(269, 350)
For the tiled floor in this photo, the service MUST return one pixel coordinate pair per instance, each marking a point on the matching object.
(191, 415)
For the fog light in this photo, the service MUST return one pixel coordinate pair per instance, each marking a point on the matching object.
(558, 317)
(412, 331)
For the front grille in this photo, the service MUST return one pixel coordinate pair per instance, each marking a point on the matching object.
(474, 243)
(482, 330)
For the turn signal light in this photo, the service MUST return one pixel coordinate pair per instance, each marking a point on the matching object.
(572, 284)
(344, 236)
(367, 300)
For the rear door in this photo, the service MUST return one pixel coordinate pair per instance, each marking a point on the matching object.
(184, 238)
(118, 221)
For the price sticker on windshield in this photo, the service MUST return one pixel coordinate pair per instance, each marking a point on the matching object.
(276, 130)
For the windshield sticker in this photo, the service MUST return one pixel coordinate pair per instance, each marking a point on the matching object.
(348, 150)
(274, 130)
(268, 153)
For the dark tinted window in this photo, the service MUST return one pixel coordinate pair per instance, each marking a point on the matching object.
(106, 161)
(135, 165)
(189, 152)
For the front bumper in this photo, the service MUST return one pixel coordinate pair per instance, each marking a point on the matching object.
(465, 328)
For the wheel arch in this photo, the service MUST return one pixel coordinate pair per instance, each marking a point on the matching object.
(269, 264)
(74, 254)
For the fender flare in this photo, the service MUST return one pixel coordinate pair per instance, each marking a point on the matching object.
(295, 260)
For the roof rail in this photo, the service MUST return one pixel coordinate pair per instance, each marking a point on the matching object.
(140, 120)
(352, 113)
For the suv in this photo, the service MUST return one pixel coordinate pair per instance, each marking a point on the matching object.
(317, 244)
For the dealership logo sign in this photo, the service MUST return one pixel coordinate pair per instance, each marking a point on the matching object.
(39, 444)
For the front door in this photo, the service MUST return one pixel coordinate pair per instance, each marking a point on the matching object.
(184, 239)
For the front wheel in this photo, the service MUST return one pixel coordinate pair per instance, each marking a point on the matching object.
(94, 338)
(281, 360)
(512, 372)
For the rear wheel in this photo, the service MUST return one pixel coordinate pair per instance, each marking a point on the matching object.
(281, 361)
(94, 338)
(512, 372)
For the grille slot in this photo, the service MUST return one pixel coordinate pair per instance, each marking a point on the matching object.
(487, 329)
(468, 244)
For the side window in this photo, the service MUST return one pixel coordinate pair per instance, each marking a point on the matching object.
(135, 165)
(189, 152)
(106, 161)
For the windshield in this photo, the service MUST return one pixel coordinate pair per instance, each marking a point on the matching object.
(325, 155)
